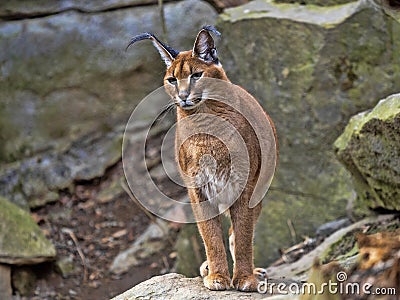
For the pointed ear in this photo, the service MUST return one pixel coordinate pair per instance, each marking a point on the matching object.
(167, 53)
(204, 46)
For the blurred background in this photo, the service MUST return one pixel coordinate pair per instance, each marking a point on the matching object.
(69, 228)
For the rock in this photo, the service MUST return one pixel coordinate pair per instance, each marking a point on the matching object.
(312, 68)
(316, 2)
(319, 277)
(328, 228)
(177, 287)
(112, 191)
(66, 266)
(23, 281)
(220, 5)
(36, 181)
(293, 275)
(21, 243)
(327, 251)
(152, 241)
(390, 7)
(5, 282)
(67, 74)
(25, 9)
(377, 267)
(21, 240)
(370, 149)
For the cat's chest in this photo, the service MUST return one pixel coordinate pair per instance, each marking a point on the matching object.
(207, 166)
(202, 152)
(221, 189)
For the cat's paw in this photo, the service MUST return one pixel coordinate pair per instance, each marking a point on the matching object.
(204, 269)
(260, 273)
(217, 282)
(246, 283)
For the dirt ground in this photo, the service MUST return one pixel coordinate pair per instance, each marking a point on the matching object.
(88, 235)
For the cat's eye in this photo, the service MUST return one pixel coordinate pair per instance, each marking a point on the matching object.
(172, 80)
(197, 75)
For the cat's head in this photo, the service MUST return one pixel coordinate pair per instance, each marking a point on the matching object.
(186, 69)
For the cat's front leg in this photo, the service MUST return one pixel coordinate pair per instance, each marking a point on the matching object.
(218, 277)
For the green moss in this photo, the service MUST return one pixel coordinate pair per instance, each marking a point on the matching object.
(316, 2)
(304, 212)
(20, 237)
(347, 246)
(369, 148)
(344, 247)
(385, 110)
(325, 17)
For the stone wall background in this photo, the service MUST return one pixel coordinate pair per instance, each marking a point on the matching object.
(65, 72)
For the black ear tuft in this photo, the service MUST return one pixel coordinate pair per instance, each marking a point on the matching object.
(167, 53)
(212, 29)
(204, 46)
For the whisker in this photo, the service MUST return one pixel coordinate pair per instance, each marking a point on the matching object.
(165, 110)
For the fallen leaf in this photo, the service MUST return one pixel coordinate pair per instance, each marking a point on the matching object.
(119, 233)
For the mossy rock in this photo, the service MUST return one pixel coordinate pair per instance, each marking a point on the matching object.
(347, 247)
(21, 239)
(370, 149)
(315, 2)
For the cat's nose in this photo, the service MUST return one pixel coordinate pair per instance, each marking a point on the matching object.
(183, 94)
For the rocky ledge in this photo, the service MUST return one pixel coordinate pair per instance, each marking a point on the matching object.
(373, 259)
(176, 286)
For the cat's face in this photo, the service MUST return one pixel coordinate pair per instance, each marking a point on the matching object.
(184, 80)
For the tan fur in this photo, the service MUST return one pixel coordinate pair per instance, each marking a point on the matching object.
(179, 83)
(188, 156)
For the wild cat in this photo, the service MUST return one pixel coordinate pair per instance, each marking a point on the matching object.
(185, 81)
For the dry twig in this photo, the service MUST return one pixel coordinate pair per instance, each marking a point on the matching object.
(292, 230)
(78, 248)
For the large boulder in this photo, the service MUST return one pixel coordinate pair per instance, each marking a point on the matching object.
(66, 74)
(68, 86)
(21, 243)
(21, 239)
(36, 181)
(370, 149)
(311, 68)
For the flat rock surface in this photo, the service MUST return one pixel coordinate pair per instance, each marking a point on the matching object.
(178, 287)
